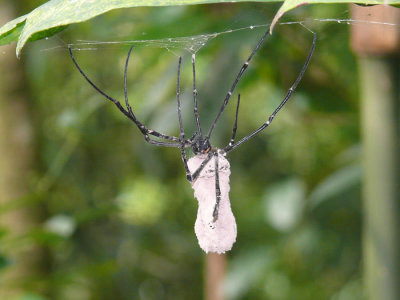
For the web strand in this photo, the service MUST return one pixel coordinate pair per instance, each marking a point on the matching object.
(192, 44)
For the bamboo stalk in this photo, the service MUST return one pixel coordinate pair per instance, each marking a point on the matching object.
(380, 122)
(377, 47)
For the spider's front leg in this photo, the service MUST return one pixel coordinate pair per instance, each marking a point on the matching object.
(189, 176)
(232, 141)
(284, 101)
(182, 132)
(128, 112)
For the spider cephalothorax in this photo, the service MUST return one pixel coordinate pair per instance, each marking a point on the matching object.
(200, 144)
(215, 226)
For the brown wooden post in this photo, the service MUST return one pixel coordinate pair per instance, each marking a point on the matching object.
(377, 47)
(214, 276)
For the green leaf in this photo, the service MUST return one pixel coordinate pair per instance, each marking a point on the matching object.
(284, 203)
(4, 262)
(245, 269)
(290, 4)
(338, 183)
(55, 15)
(11, 31)
(30, 296)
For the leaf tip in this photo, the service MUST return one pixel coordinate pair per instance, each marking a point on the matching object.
(286, 6)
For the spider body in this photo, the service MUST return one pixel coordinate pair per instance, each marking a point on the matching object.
(200, 144)
(208, 171)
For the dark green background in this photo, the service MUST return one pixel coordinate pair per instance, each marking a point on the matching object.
(133, 209)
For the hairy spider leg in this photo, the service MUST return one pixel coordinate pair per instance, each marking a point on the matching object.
(182, 132)
(128, 106)
(143, 129)
(288, 95)
(202, 165)
(192, 177)
(232, 141)
(239, 75)
(196, 113)
(217, 188)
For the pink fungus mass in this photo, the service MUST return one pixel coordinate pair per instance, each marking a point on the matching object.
(218, 236)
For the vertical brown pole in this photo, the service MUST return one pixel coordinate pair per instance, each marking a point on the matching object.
(377, 47)
(214, 276)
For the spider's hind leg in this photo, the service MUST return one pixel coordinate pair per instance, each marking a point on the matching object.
(217, 188)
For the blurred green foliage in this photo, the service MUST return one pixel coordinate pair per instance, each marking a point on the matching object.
(120, 213)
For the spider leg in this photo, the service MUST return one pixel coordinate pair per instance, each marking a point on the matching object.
(201, 167)
(239, 75)
(182, 132)
(196, 113)
(288, 95)
(234, 127)
(128, 106)
(129, 113)
(217, 188)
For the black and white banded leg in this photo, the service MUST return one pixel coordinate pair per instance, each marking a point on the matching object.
(232, 141)
(217, 188)
(287, 97)
(182, 132)
(239, 75)
(129, 113)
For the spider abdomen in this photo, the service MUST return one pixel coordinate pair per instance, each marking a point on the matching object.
(213, 235)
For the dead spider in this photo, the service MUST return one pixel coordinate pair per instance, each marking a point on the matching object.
(208, 170)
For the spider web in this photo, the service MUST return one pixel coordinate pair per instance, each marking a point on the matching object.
(186, 46)
(190, 44)
(193, 44)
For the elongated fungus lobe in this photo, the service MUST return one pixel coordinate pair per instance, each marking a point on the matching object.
(213, 235)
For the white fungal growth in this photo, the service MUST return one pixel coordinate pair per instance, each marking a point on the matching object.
(218, 236)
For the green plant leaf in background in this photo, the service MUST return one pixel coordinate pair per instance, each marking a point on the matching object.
(55, 15)
(337, 184)
(290, 4)
(3, 262)
(12, 30)
(31, 297)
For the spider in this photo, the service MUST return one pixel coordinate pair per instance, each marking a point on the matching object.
(208, 171)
